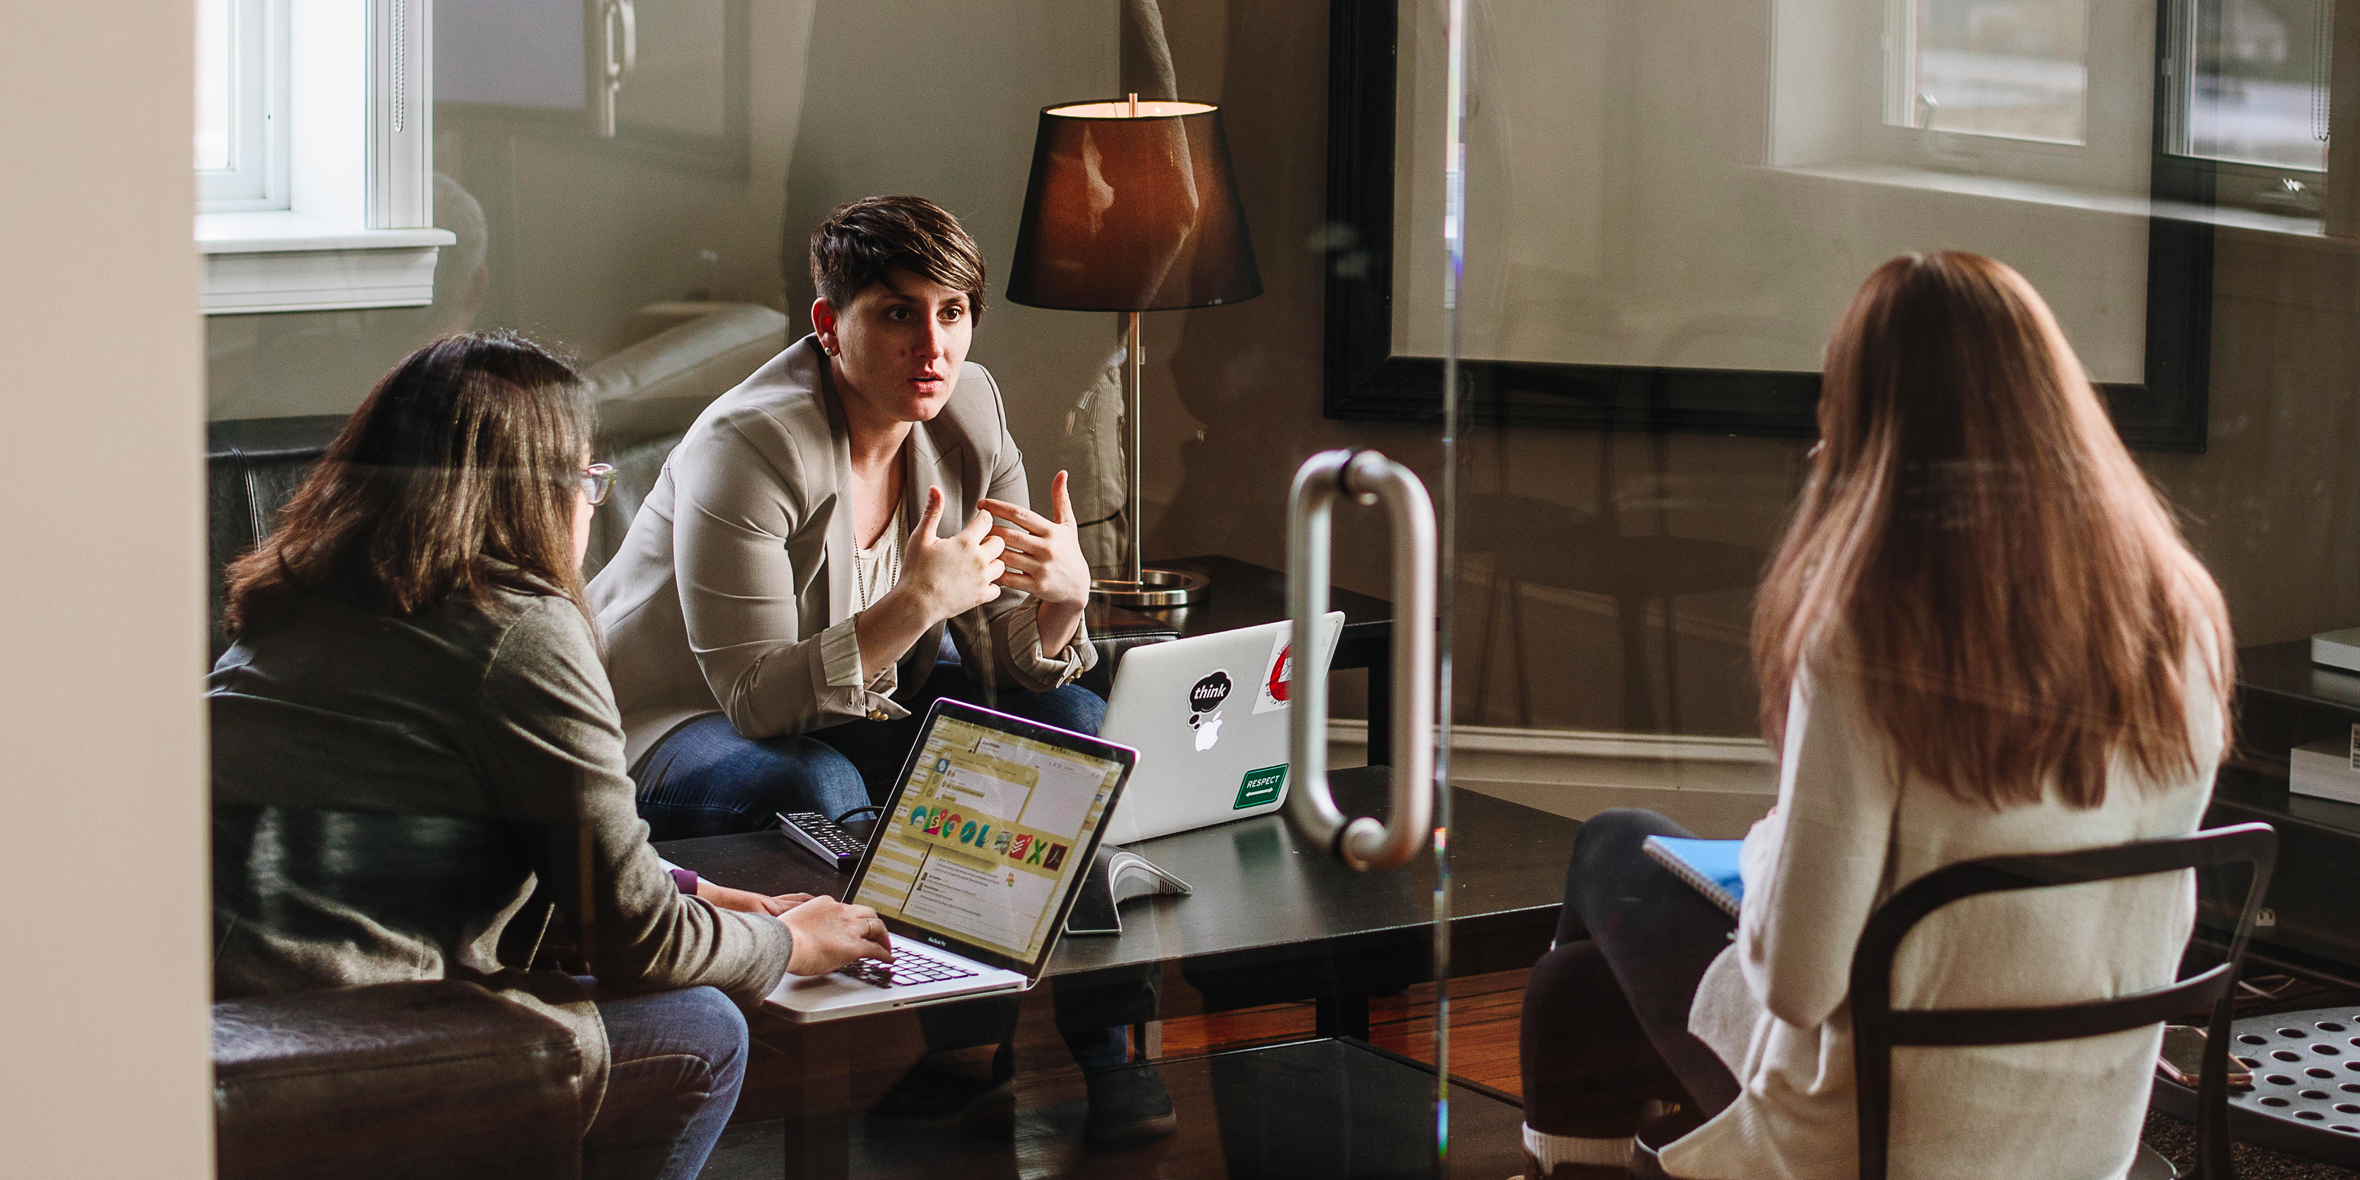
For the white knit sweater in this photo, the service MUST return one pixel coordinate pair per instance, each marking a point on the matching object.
(1845, 835)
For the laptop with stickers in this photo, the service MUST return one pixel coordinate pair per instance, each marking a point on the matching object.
(1208, 715)
(974, 864)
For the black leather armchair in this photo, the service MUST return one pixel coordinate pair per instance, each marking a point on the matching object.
(251, 466)
(434, 1078)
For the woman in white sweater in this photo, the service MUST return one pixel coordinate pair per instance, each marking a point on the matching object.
(1983, 635)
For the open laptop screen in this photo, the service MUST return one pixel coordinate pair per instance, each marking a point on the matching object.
(992, 827)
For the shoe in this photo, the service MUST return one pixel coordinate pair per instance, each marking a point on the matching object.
(1128, 1108)
(932, 1098)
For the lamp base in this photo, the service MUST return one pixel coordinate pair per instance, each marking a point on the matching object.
(1155, 589)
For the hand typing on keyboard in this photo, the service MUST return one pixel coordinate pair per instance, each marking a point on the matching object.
(828, 934)
(908, 968)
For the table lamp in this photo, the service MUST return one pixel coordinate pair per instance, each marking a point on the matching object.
(1133, 207)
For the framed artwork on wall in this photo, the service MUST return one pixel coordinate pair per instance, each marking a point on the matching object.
(1668, 206)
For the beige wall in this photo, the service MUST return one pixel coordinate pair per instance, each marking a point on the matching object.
(103, 986)
(847, 100)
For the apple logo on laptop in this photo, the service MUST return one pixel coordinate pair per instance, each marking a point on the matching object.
(1204, 708)
(1208, 731)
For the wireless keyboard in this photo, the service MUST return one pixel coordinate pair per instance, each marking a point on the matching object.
(823, 838)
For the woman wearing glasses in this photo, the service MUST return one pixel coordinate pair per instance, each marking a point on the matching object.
(413, 730)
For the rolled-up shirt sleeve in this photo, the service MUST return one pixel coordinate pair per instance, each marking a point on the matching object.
(1028, 665)
(871, 693)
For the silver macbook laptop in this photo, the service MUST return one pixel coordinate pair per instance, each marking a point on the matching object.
(975, 862)
(1208, 715)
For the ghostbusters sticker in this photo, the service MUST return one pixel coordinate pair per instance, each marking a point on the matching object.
(1278, 674)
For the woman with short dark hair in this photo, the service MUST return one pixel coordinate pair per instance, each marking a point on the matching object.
(776, 617)
(818, 564)
(1983, 636)
(414, 741)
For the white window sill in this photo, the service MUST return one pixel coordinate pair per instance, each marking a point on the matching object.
(266, 262)
(2056, 196)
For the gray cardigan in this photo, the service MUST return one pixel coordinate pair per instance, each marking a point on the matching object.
(733, 592)
(387, 792)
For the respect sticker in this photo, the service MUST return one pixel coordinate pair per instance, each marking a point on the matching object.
(1261, 787)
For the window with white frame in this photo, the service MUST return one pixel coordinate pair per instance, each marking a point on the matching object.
(313, 145)
(2057, 92)
(2247, 92)
(2014, 69)
(241, 144)
(2018, 87)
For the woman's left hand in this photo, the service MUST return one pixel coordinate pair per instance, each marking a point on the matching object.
(748, 902)
(1043, 555)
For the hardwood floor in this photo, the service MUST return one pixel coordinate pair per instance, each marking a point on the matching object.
(1484, 1011)
(1484, 1015)
(1216, 1139)
(1483, 1040)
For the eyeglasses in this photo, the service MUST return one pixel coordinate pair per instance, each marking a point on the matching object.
(598, 481)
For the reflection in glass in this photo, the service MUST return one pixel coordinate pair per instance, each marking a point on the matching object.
(213, 85)
(678, 78)
(2012, 68)
(2257, 82)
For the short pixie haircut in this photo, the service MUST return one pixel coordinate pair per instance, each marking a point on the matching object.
(858, 243)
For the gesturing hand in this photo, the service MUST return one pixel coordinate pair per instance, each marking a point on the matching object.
(1043, 556)
(954, 574)
(829, 934)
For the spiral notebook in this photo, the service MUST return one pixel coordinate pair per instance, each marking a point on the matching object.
(1708, 866)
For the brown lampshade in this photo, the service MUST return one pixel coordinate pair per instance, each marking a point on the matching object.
(1132, 213)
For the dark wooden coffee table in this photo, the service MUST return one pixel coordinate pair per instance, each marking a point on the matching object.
(1267, 906)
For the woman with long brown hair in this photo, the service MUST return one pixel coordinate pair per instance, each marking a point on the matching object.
(413, 738)
(1983, 635)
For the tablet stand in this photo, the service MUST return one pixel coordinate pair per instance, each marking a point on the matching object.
(1117, 875)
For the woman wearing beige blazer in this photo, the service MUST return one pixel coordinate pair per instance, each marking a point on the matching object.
(819, 562)
(775, 619)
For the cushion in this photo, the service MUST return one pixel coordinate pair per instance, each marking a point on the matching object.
(429, 1078)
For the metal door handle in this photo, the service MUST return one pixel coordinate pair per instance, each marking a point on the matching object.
(1369, 478)
(620, 56)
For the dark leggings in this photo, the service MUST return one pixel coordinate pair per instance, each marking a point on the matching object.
(1606, 1012)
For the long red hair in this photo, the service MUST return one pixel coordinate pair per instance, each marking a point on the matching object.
(1976, 543)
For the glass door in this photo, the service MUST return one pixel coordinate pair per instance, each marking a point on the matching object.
(1110, 220)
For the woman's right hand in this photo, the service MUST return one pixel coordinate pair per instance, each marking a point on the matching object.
(829, 934)
(955, 574)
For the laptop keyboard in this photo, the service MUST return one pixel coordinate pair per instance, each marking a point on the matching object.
(908, 967)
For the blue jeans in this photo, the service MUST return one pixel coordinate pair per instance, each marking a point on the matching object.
(677, 1061)
(703, 779)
